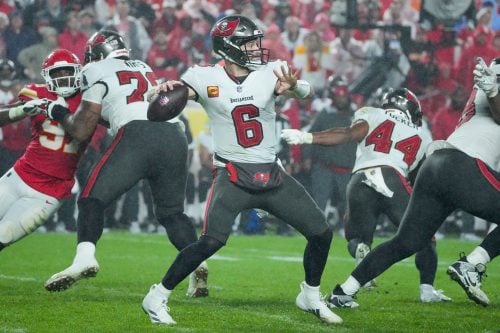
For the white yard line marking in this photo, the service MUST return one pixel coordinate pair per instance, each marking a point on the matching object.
(6, 329)
(18, 278)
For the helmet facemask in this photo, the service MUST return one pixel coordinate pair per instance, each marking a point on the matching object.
(64, 80)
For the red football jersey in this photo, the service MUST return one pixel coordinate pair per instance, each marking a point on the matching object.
(50, 160)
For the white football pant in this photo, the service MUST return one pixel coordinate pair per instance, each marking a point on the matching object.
(22, 209)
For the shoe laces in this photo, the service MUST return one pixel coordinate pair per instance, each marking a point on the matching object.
(481, 270)
(164, 306)
(439, 292)
(462, 256)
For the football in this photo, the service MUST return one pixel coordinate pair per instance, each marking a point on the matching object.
(168, 104)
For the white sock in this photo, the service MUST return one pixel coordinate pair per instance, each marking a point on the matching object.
(84, 251)
(425, 286)
(164, 292)
(478, 256)
(350, 286)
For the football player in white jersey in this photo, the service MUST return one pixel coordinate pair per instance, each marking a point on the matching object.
(457, 173)
(114, 90)
(239, 98)
(391, 143)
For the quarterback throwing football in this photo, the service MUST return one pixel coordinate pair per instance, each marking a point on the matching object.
(239, 99)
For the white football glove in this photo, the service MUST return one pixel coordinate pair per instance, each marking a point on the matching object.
(485, 79)
(30, 108)
(296, 137)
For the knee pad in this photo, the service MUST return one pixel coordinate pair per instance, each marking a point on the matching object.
(11, 231)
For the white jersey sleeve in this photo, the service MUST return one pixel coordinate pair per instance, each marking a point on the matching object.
(126, 83)
(242, 115)
(392, 140)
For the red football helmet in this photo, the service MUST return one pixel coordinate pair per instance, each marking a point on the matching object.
(61, 71)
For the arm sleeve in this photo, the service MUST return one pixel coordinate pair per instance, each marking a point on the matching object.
(190, 78)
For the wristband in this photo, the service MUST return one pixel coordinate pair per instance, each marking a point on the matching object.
(302, 89)
(58, 113)
(16, 112)
(308, 138)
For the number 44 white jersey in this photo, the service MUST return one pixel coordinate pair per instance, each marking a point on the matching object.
(392, 140)
(126, 83)
(242, 115)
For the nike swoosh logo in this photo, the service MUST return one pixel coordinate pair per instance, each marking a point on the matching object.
(48, 202)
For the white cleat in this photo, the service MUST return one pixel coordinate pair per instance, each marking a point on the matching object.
(198, 282)
(77, 271)
(430, 295)
(469, 277)
(155, 306)
(310, 300)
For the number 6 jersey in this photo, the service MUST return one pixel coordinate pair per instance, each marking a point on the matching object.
(392, 140)
(242, 115)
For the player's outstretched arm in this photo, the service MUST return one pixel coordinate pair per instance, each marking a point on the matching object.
(486, 80)
(331, 137)
(166, 86)
(82, 124)
(19, 110)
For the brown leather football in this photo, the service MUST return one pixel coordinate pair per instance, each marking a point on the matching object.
(168, 104)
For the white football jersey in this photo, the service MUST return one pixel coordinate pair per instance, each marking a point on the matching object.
(392, 140)
(242, 116)
(126, 82)
(477, 134)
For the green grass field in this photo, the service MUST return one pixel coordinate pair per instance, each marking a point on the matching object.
(253, 284)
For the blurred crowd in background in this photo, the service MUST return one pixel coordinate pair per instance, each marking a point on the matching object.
(351, 51)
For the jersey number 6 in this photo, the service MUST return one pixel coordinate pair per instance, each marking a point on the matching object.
(249, 131)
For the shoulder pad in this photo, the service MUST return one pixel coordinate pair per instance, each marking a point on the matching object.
(32, 91)
(91, 73)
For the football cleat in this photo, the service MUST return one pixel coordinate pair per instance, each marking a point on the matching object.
(77, 271)
(362, 251)
(430, 295)
(155, 306)
(198, 282)
(469, 277)
(310, 300)
(338, 299)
